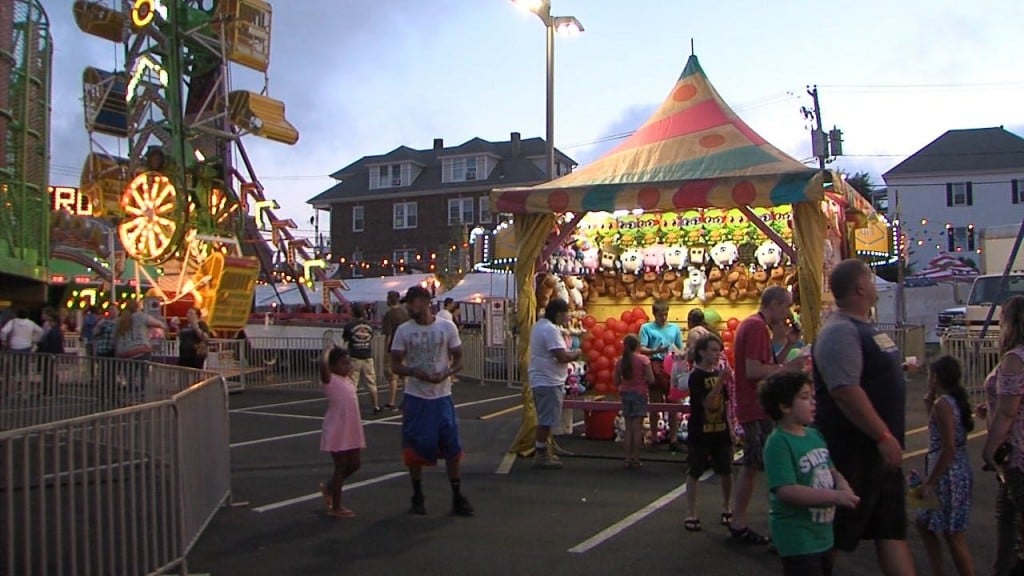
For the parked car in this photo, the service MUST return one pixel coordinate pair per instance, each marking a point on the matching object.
(951, 319)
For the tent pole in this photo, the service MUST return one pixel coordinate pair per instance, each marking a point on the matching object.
(771, 234)
(558, 239)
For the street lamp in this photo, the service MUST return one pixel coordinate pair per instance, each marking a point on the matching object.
(567, 26)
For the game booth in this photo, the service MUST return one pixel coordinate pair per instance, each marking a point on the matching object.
(694, 208)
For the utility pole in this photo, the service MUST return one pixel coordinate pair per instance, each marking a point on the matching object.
(823, 146)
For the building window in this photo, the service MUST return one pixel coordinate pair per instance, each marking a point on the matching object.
(1017, 191)
(462, 169)
(960, 238)
(388, 176)
(959, 194)
(460, 211)
(485, 210)
(404, 256)
(404, 215)
(358, 221)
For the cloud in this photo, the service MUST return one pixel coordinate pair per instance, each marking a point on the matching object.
(626, 123)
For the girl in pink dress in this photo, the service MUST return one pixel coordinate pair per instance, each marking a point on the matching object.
(342, 434)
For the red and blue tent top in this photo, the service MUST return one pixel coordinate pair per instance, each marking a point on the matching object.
(693, 152)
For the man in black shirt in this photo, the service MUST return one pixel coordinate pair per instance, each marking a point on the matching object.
(358, 336)
(395, 317)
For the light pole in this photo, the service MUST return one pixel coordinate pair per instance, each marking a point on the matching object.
(568, 26)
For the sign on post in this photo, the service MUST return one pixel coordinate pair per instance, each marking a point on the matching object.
(494, 321)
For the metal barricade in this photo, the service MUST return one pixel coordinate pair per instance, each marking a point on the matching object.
(909, 338)
(121, 492)
(975, 364)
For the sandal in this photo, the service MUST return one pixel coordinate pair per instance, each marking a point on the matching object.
(748, 536)
(326, 493)
(692, 524)
(341, 513)
(726, 518)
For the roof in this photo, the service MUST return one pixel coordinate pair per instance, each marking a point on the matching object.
(971, 150)
(354, 179)
(694, 151)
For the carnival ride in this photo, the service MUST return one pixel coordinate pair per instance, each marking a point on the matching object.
(186, 197)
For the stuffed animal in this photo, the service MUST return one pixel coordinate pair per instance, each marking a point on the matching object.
(693, 286)
(715, 284)
(768, 254)
(698, 256)
(725, 254)
(574, 286)
(546, 284)
(610, 263)
(561, 291)
(654, 257)
(650, 228)
(591, 260)
(650, 284)
(676, 257)
(632, 261)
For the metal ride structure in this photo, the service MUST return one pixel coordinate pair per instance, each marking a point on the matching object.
(177, 197)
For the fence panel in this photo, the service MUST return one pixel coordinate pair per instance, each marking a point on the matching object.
(976, 364)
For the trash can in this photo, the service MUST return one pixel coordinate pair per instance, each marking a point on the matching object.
(599, 424)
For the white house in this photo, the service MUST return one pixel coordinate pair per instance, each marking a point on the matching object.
(949, 191)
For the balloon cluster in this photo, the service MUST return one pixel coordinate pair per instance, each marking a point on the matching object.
(602, 345)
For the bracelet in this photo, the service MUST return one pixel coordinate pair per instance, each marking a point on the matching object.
(885, 436)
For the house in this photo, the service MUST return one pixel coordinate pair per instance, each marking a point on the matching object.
(949, 191)
(418, 209)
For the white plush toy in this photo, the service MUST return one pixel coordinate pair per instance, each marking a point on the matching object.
(768, 254)
(676, 257)
(725, 254)
(561, 291)
(574, 285)
(632, 261)
(693, 286)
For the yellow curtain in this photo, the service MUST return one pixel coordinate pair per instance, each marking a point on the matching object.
(532, 232)
(809, 237)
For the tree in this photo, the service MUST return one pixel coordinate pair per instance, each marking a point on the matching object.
(861, 182)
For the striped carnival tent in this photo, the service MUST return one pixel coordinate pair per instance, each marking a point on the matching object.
(693, 152)
(946, 268)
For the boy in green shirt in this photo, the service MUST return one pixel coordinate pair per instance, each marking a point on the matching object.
(804, 487)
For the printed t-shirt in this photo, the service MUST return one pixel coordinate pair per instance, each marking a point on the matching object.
(427, 347)
(707, 425)
(359, 337)
(545, 369)
(798, 460)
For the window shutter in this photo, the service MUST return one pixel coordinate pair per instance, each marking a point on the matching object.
(1015, 194)
(949, 193)
(970, 195)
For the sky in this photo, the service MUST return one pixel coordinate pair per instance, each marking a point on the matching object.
(362, 77)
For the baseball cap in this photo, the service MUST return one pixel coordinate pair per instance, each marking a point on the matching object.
(416, 292)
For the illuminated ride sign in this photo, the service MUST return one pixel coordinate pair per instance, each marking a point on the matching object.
(148, 227)
(70, 200)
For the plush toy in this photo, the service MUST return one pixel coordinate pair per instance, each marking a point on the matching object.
(546, 284)
(650, 284)
(628, 234)
(620, 428)
(574, 287)
(777, 277)
(650, 228)
(725, 254)
(654, 257)
(632, 261)
(715, 284)
(760, 279)
(561, 291)
(671, 230)
(590, 260)
(676, 257)
(693, 286)
(610, 263)
(698, 256)
(768, 254)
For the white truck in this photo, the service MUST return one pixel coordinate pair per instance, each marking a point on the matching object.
(996, 243)
(986, 291)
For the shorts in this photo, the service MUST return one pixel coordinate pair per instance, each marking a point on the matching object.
(634, 404)
(548, 401)
(364, 371)
(662, 381)
(702, 455)
(755, 434)
(882, 511)
(430, 431)
(819, 564)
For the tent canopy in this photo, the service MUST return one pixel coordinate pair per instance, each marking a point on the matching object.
(476, 287)
(694, 151)
(945, 267)
(363, 290)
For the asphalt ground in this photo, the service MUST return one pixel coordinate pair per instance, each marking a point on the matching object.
(593, 517)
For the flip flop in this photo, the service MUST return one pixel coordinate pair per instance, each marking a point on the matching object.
(726, 518)
(341, 513)
(326, 493)
(692, 524)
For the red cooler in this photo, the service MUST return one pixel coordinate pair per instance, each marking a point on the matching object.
(599, 424)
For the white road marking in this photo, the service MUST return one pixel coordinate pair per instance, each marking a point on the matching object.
(284, 415)
(293, 402)
(617, 528)
(315, 495)
(915, 453)
(385, 420)
(506, 463)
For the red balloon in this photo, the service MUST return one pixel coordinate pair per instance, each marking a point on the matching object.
(730, 355)
(604, 376)
(635, 327)
(603, 363)
(593, 355)
(618, 348)
(626, 316)
(609, 350)
(587, 343)
(732, 323)
(728, 336)
(589, 322)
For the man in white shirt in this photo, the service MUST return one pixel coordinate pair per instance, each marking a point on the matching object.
(549, 359)
(20, 334)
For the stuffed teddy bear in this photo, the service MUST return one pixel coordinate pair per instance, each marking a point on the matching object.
(546, 284)
(573, 286)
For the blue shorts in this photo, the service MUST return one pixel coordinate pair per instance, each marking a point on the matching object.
(634, 404)
(430, 430)
(548, 402)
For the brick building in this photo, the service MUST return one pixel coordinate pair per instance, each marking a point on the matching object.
(416, 209)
